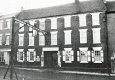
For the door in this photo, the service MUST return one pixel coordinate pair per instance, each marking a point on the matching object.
(50, 59)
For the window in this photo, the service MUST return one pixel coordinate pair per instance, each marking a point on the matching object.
(42, 24)
(53, 23)
(20, 55)
(67, 37)
(67, 20)
(32, 23)
(82, 20)
(97, 55)
(83, 35)
(68, 55)
(96, 35)
(95, 18)
(31, 55)
(22, 29)
(8, 24)
(54, 38)
(7, 39)
(41, 39)
(1, 57)
(1, 25)
(21, 39)
(0, 39)
(83, 56)
(31, 39)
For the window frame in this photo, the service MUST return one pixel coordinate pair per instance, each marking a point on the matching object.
(67, 21)
(68, 41)
(31, 39)
(28, 55)
(82, 20)
(22, 36)
(42, 23)
(54, 35)
(18, 55)
(41, 42)
(54, 23)
(8, 24)
(1, 35)
(83, 33)
(22, 29)
(1, 25)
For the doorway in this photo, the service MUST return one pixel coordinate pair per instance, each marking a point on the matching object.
(50, 58)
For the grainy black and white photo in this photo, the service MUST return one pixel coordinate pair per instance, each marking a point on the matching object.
(57, 39)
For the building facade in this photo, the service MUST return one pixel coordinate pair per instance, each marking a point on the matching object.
(76, 37)
(5, 38)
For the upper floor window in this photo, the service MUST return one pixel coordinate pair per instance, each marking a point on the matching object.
(67, 21)
(21, 25)
(32, 22)
(31, 55)
(54, 38)
(42, 24)
(83, 35)
(67, 37)
(20, 55)
(96, 35)
(8, 24)
(68, 55)
(1, 25)
(21, 39)
(0, 39)
(31, 39)
(95, 18)
(83, 56)
(7, 39)
(82, 20)
(97, 55)
(41, 39)
(2, 57)
(54, 23)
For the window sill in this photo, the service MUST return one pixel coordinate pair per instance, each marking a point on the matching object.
(98, 62)
(21, 61)
(83, 62)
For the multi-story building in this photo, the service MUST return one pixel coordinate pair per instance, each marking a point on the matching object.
(111, 32)
(76, 37)
(5, 37)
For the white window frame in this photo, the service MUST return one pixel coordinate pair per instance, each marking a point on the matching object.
(42, 24)
(22, 29)
(96, 35)
(67, 21)
(54, 37)
(101, 55)
(7, 40)
(67, 37)
(95, 18)
(1, 39)
(68, 53)
(83, 35)
(53, 23)
(18, 55)
(31, 39)
(22, 36)
(2, 57)
(87, 55)
(82, 20)
(8, 24)
(28, 55)
(1, 25)
(32, 22)
(41, 41)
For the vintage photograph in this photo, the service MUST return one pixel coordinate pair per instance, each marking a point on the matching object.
(57, 40)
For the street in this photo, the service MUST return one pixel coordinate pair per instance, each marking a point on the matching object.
(51, 75)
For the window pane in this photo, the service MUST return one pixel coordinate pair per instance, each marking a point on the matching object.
(0, 40)
(82, 19)
(68, 36)
(53, 23)
(67, 20)
(96, 35)
(31, 55)
(41, 39)
(21, 56)
(21, 39)
(31, 40)
(83, 36)
(95, 19)
(7, 40)
(22, 29)
(54, 38)
(1, 25)
(42, 24)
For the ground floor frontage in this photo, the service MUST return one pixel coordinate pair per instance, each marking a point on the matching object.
(4, 56)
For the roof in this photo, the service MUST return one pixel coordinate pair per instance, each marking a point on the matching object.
(110, 6)
(8, 15)
(72, 8)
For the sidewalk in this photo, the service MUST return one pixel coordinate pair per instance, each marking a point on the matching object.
(63, 71)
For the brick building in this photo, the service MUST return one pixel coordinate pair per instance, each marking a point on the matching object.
(5, 38)
(76, 37)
